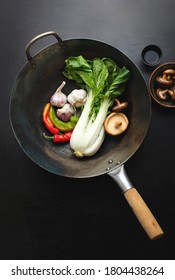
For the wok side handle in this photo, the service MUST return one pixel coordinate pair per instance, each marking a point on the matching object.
(49, 33)
(137, 204)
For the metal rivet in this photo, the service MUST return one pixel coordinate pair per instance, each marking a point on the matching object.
(108, 168)
(110, 161)
(118, 162)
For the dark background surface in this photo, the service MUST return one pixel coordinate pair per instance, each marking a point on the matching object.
(44, 216)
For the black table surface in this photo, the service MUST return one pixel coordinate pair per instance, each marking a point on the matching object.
(45, 216)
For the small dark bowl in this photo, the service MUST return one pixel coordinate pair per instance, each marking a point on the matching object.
(153, 85)
(151, 55)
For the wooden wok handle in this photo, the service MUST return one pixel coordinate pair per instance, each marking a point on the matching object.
(137, 204)
(143, 214)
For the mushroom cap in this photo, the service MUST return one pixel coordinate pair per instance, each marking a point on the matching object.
(116, 123)
(119, 106)
(173, 87)
(162, 81)
(173, 97)
(162, 93)
(171, 91)
(169, 71)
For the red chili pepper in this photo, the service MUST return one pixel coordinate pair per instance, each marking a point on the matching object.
(65, 137)
(48, 123)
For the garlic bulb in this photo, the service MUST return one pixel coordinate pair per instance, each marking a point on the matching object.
(59, 99)
(77, 97)
(65, 112)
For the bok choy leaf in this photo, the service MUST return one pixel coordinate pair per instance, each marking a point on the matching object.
(103, 80)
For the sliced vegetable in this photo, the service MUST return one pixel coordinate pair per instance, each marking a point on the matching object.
(103, 81)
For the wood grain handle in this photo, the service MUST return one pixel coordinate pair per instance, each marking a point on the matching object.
(143, 214)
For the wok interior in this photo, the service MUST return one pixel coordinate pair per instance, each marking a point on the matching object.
(33, 89)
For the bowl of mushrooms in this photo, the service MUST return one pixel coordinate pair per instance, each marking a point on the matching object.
(162, 84)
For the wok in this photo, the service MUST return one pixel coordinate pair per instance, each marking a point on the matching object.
(33, 88)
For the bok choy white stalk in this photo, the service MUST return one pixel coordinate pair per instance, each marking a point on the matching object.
(103, 81)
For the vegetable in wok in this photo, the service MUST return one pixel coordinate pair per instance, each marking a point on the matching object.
(103, 81)
(47, 121)
(59, 138)
(61, 125)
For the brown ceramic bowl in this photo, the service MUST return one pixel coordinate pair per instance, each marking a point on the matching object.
(154, 85)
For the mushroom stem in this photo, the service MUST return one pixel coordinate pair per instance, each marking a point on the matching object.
(117, 101)
(117, 124)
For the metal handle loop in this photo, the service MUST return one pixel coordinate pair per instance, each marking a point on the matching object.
(28, 46)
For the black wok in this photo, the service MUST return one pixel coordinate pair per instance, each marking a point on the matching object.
(32, 90)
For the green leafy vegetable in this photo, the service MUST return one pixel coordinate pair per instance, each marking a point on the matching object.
(104, 81)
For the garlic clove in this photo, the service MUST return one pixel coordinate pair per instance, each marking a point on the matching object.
(65, 112)
(77, 97)
(59, 99)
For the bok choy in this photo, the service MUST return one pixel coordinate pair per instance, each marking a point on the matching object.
(103, 81)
